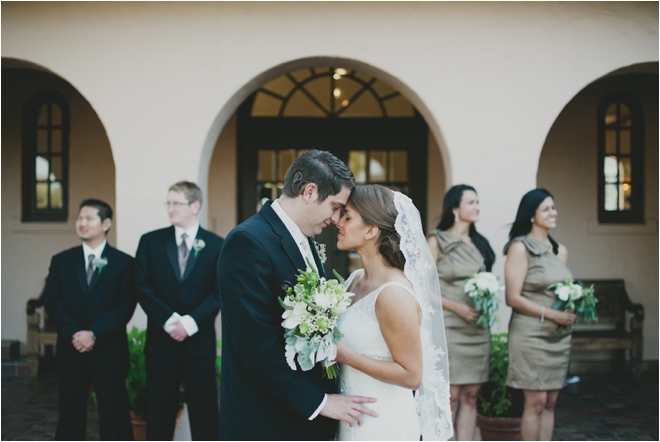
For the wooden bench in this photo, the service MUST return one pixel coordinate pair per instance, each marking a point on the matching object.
(39, 334)
(610, 332)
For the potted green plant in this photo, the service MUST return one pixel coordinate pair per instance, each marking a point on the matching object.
(499, 407)
(136, 382)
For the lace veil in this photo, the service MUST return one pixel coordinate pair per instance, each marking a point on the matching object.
(432, 398)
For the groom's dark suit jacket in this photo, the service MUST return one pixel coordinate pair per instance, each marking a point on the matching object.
(104, 307)
(261, 397)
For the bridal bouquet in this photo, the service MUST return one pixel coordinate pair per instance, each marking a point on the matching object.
(311, 308)
(573, 296)
(481, 288)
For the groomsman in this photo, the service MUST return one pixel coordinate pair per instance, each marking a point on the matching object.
(177, 288)
(89, 298)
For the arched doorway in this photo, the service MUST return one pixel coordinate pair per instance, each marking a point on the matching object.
(356, 116)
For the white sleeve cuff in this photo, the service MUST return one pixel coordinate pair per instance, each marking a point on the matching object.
(189, 325)
(318, 410)
(169, 324)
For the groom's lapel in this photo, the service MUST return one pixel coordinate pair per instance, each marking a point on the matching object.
(317, 258)
(172, 252)
(288, 244)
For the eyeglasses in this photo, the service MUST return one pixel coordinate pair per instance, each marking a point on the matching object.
(176, 204)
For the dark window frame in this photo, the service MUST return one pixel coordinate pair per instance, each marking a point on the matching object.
(636, 213)
(31, 126)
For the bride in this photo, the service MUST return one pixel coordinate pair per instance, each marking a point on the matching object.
(393, 344)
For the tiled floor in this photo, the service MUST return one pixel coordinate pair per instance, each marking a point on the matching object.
(599, 407)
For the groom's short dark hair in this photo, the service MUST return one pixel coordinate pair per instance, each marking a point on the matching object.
(321, 168)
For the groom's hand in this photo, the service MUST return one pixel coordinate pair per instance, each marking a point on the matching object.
(347, 408)
(177, 332)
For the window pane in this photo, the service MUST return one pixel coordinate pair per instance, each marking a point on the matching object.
(41, 169)
(42, 141)
(611, 200)
(56, 141)
(266, 106)
(399, 107)
(610, 169)
(365, 105)
(266, 165)
(624, 141)
(610, 116)
(301, 106)
(625, 169)
(56, 117)
(320, 90)
(625, 193)
(377, 166)
(55, 168)
(357, 162)
(610, 142)
(301, 75)
(285, 161)
(42, 196)
(382, 88)
(56, 201)
(624, 118)
(345, 89)
(42, 115)
(398, 165)
(281, 85)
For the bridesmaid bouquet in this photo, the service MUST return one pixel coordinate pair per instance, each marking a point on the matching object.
(573, 296)
(311, 308)
(481, 288)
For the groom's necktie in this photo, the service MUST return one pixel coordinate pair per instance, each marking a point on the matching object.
(308, 255)
(183, 254)
(90, 269)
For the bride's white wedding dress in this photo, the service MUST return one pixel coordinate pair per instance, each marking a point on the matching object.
(397, 417)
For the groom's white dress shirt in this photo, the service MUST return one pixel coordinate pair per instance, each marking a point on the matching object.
(303, 245)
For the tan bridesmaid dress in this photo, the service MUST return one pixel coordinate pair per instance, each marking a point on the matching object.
(468, 344)
(538, 353)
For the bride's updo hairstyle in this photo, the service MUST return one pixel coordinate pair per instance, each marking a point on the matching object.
(375, 204)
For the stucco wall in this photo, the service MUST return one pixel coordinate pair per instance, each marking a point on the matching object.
(166, 77)
(569, 167)
(28, 247)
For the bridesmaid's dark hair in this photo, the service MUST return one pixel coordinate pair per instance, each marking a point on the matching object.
(375, 204)
(529, 203)
(452, 201)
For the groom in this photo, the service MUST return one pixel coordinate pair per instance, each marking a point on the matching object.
(261, 398)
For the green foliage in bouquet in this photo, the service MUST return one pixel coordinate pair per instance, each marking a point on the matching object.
(495, 399)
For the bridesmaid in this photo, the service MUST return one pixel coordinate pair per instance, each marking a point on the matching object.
(538, 353)
(459, 251)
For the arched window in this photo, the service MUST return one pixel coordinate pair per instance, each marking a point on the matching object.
(620, 160)
(45, 157)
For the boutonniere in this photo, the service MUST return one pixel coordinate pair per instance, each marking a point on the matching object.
(320, 248)
(99, 263)
(198, 245)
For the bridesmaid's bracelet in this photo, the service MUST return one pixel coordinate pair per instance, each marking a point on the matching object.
(542, 313)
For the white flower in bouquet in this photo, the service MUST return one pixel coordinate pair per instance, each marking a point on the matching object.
(311, 308)
(481, 288)
(563, 292)
(573, 296)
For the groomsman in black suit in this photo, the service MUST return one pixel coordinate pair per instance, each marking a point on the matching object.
(177, 288)
(261, 397)
(89, 298)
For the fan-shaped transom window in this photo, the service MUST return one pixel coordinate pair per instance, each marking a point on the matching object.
(330, 92)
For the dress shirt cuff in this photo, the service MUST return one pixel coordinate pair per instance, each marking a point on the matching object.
(318, 410)
(169, 324)
(189, 325)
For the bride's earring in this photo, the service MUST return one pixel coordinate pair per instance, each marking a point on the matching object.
(455, 217)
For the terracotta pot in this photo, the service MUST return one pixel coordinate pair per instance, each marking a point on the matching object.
(140, 425)
(499, 428)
